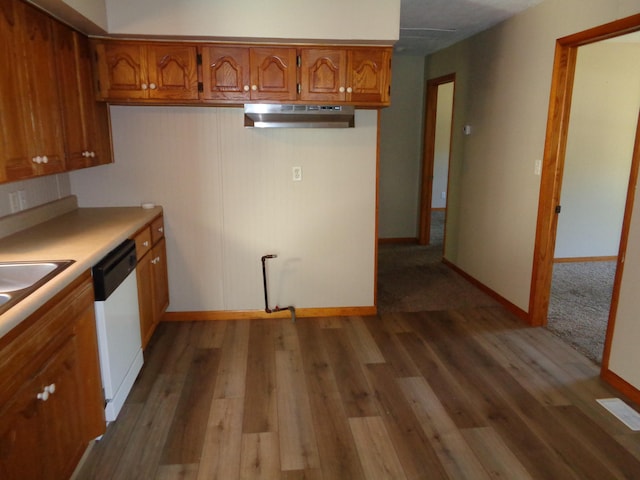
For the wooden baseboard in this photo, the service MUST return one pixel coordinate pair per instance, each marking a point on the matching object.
(517, 311)
(585, 259)
(400, 240)
(259, 314)
(621, 385)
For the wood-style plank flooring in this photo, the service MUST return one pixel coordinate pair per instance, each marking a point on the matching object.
(452, 394)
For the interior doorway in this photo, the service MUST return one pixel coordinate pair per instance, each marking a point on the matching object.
(553, 170)
(600, 137)
(440, 93)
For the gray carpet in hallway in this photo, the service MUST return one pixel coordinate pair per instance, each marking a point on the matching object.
(412, 278)
(579, 305)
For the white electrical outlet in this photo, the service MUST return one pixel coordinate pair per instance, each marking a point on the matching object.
(443, 195)
(14, 202)
(296, 173)
(537, 167)
(22, 199)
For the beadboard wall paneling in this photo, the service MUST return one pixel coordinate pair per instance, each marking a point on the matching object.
(38, 191)
(229, 198)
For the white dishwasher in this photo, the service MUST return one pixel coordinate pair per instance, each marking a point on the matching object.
(118, 325)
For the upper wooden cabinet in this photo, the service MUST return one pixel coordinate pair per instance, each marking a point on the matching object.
(86, 121)
(30, 118)
(146, 71)
(352, 75)
(236, 74)
(248, 73)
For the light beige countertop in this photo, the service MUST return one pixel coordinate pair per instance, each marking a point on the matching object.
(84, 235)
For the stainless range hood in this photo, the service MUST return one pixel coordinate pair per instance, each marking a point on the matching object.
(262, 115)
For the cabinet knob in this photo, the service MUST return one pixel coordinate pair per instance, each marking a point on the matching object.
(153, 86)
(341, 89)
(144, 86)
(145, 243)
(246, 88)
(92, 154)
(349, 89)
(46, 391)
(161, 229)
(45, 159)
(254, 87)
(37, 159)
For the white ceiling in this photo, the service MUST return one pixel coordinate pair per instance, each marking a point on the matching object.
(427, 26)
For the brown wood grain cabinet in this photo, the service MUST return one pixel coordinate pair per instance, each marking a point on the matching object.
(31, 131)
(86, 121)
(359, 75)
(51, 403)
(146, 71)
(232, 74)
(152, 277)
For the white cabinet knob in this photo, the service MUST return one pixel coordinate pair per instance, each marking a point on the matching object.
(246, 88)
(92, 154)
(349, 89)
(254, 87)
(144, 86)
(161, 229)
(37, 159)
(46, 391)
(153, 86)
(145, 243)
(45, 159)
(341, 89)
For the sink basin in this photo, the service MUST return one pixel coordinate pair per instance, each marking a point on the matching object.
(19, 279)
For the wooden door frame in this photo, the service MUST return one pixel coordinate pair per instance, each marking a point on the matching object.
(553, 166)
(428, 154)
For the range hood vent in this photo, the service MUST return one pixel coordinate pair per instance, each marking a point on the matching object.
(262, 115)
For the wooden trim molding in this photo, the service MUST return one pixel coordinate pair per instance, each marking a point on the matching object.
(517, 311)
(261, 314)
(398, 240)
(611, 258)
(621, 385)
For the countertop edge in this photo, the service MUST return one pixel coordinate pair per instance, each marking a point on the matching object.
(120, 223)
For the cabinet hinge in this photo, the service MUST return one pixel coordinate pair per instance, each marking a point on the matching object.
(200, 87)
(558, 208)
(199, 59)
(299, 88)
(299, 61)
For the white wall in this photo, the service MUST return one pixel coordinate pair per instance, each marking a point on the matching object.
(229, 198)
(401, 128)
(302, 19)
(604, 113)
(442, 145)
(502, 90)
(37, 191)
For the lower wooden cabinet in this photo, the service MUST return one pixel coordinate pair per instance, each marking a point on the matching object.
(51, 402)
(152, 277)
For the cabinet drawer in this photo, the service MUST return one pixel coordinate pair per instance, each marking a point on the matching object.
(157, 229)
(143, 242)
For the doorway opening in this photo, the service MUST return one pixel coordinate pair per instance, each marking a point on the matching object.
(440, 95)
(557, 148)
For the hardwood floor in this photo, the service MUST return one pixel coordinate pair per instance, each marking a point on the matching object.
(460, 394)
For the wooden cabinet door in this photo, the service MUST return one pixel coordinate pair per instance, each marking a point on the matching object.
(20, 435)
(273, 73)
(173, 72)
(32, 124)
(160, 280)
(369, 75)
(14, 150)
(225, 73)
(97, 126)
(42, 100)
(86, 122)
(144, 275)
(323, 74)
(122, 70)
(62, 442)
